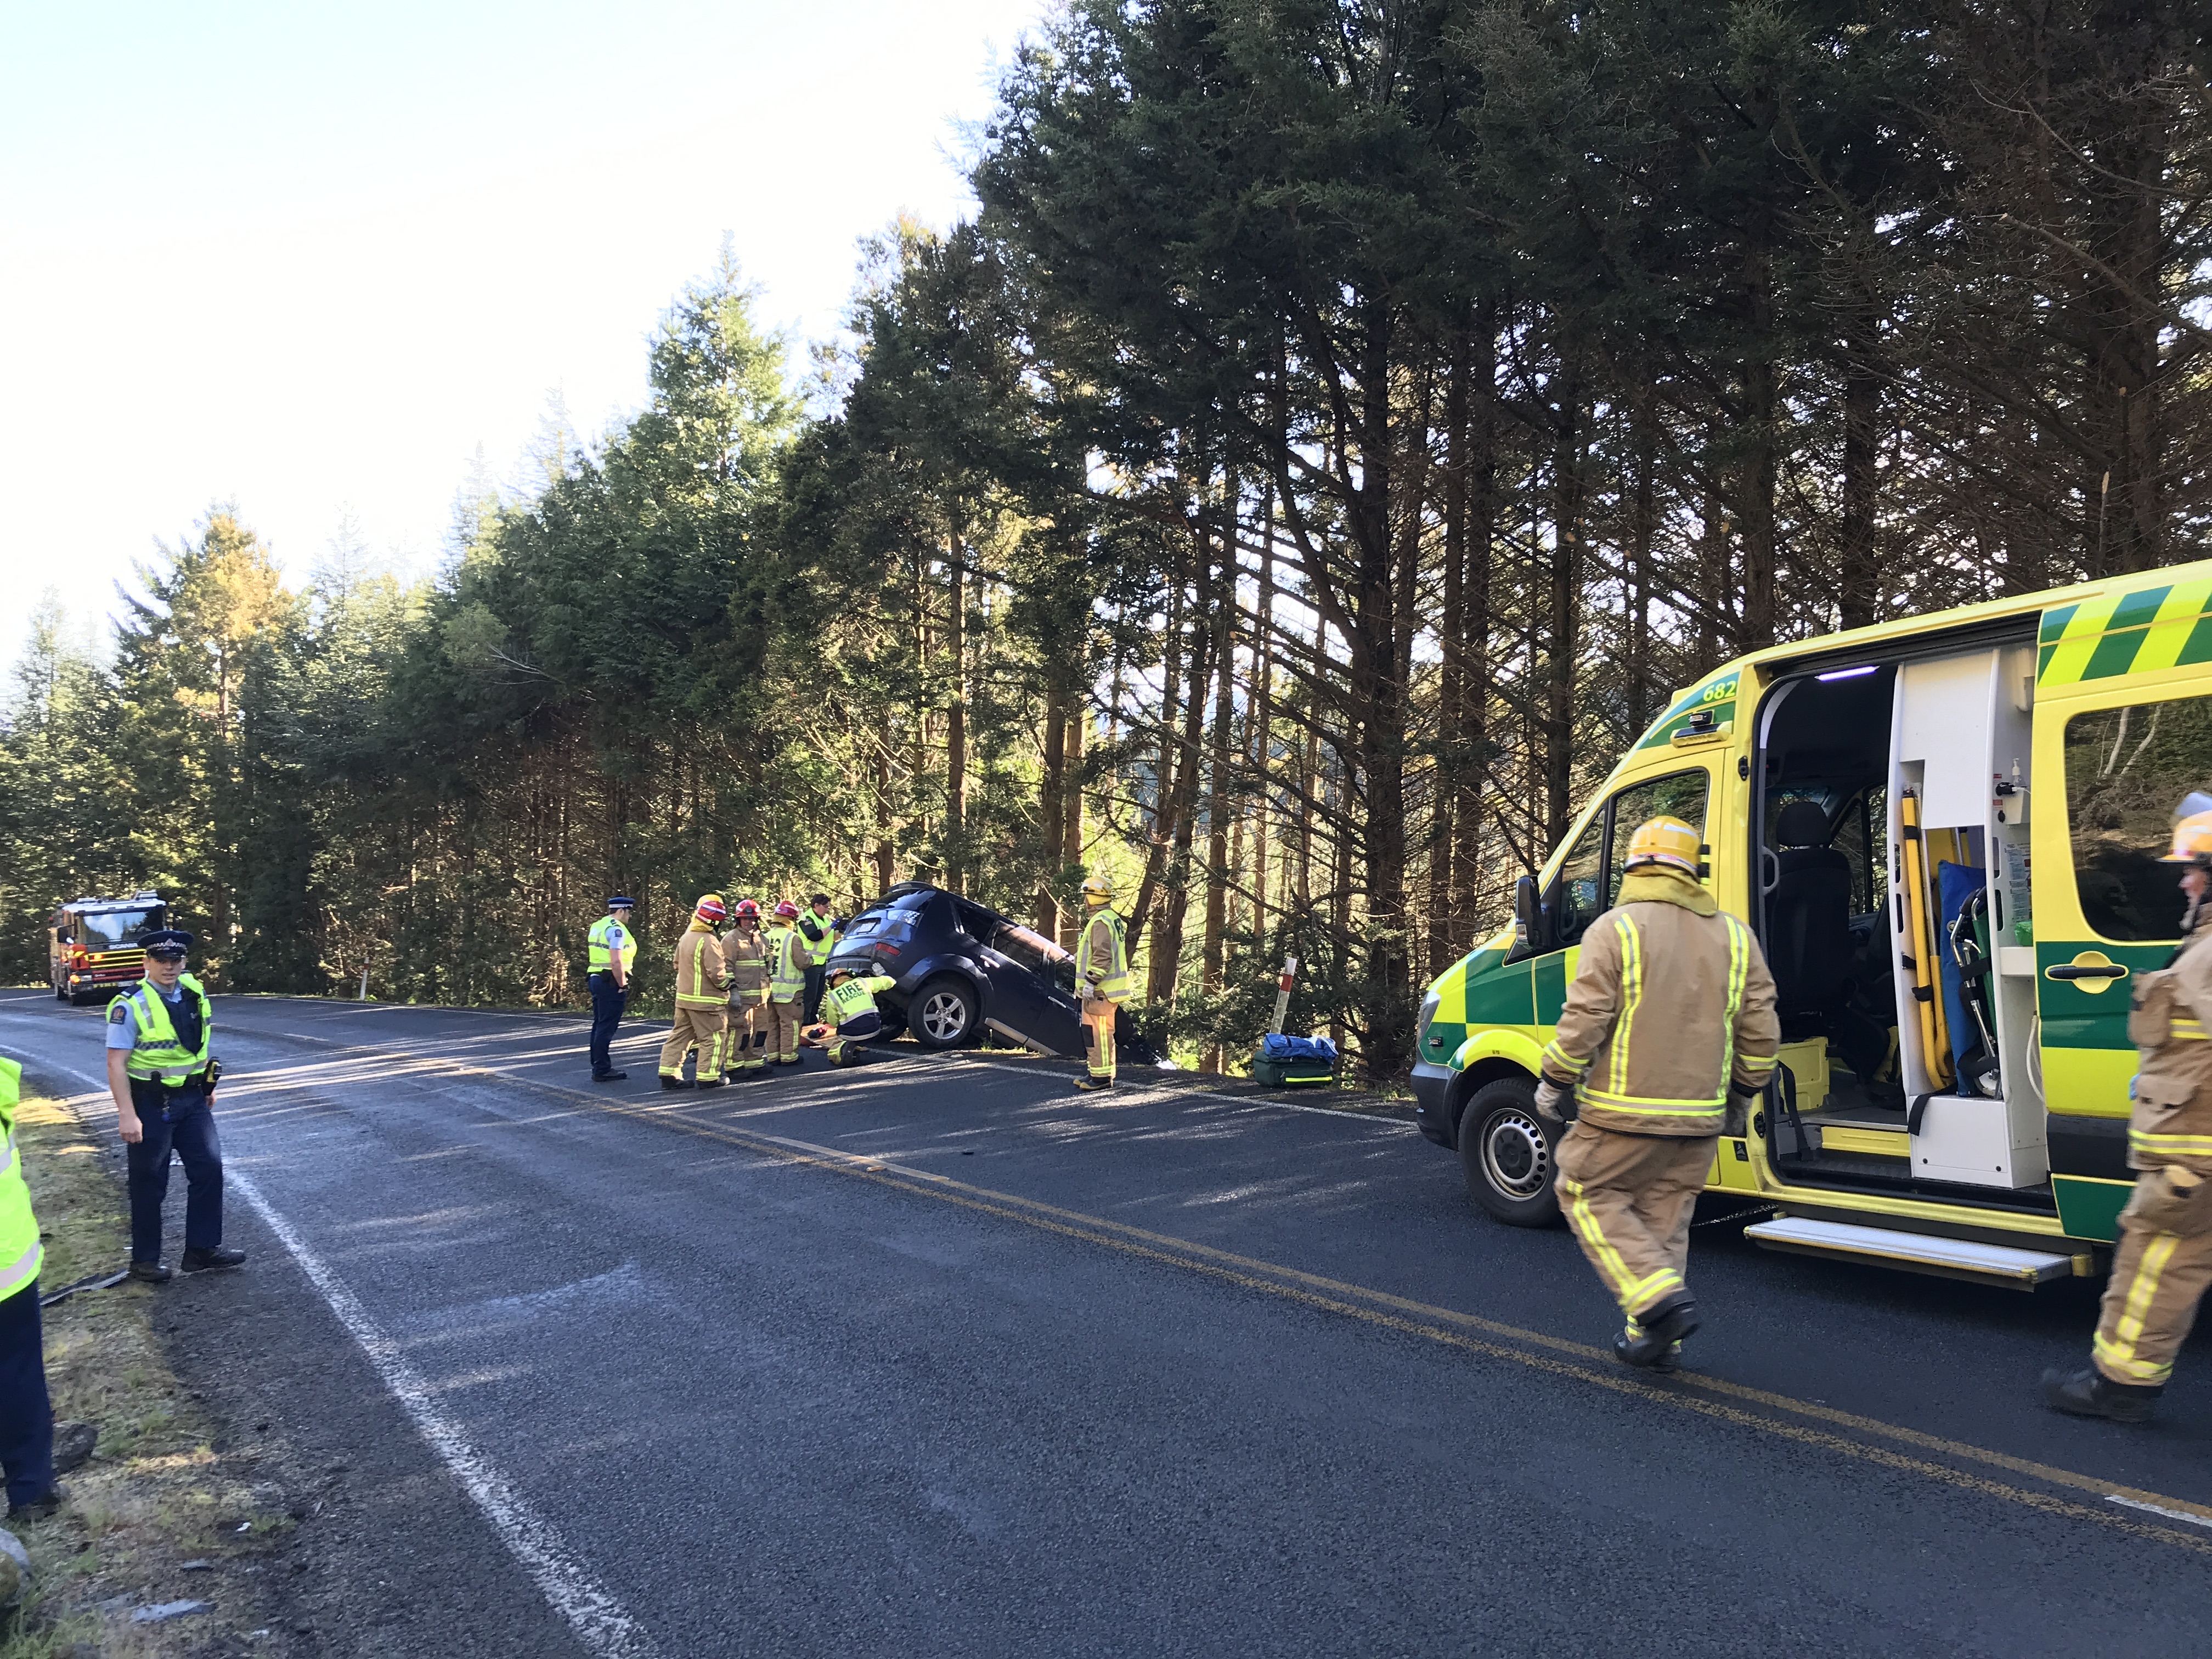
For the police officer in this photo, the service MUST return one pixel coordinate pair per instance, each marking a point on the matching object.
(27, 1419)
(163, 1083)
(1101, 980)
(1669, 1031)
(818, 934)
(2164, 1261)
(613, 948)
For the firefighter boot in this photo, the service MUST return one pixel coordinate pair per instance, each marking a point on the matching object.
(1654, 1342)
(2089, 1393)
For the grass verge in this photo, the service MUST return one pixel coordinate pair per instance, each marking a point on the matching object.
(156, 1495)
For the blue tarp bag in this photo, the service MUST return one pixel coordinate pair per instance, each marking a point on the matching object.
(1286, 1062)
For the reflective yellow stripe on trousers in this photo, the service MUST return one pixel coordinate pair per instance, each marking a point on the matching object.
(2119, 1354)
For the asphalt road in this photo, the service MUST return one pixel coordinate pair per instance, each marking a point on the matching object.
(936, 1357)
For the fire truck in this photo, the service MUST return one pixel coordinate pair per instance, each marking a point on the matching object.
(92, 946)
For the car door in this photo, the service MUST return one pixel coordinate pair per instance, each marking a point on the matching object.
(1027, 1001)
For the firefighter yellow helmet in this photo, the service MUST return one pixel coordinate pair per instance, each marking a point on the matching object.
(2192, 840)
(1667, 841)
(1098, 889)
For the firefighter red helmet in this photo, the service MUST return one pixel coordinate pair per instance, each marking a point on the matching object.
(710, 909)
(747, 910)
(787, 910)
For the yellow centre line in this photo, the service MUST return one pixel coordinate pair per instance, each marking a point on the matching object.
(1447, 1326)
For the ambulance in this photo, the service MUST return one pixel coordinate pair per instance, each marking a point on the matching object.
(1946, 833)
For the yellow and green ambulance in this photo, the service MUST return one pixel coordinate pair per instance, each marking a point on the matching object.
(1946, 832)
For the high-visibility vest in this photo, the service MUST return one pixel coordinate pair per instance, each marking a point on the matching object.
(817, 951)
(21, 1255)
(155, 1051)
(851, 998)
(698, 975)
(608, 936)
(786, 964)
(1106, 969)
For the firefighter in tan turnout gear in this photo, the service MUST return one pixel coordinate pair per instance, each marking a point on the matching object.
(2164, 1260)
(1101, 980)
(1669, 1031)
(745, 958)
(701, 1011)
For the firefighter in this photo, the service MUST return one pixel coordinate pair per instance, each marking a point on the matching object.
(787, 985)
(745, 958)
(1669, 1031)
(613, 949)
(700, 1010)
(2164, 1259)
(1101, 980)
(163, 1081)
(817, 935)
(852, 1005)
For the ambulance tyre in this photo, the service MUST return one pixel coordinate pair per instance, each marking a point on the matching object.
(1505, 1150)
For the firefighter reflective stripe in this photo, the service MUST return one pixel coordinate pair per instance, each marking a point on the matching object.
(2143, 1140)
(1555, 1057)
(2185, 1031)
(2118, 1353)
(709, 997)
(1631, 993)
(607, 935)
(155, 1049)
(786, 958)
(852, 998)
(1631, 1292)
(1648, 1106)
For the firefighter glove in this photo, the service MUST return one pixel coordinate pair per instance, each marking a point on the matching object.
(1737, 1118)
(1556, 1101)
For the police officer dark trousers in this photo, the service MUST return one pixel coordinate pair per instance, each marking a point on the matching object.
(159, 1073)
(612, 949)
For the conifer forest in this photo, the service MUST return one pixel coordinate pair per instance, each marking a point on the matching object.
(1341, 426)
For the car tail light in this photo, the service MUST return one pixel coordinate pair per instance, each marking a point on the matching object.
(887, 950)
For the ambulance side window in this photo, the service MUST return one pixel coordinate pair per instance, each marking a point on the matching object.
(1679, 795)
(1580, 898)
(2126, 768)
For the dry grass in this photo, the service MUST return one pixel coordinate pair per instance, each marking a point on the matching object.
(155, 1494)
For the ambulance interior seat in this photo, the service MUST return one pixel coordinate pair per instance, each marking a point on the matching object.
(1809, 922)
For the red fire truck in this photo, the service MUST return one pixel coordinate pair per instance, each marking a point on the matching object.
(92, 944)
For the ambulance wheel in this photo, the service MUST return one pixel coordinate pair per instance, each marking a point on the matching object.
(942, 1014)
(1505, 1150)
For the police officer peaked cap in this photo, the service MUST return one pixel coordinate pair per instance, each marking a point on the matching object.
(167, 938)
(622, 902)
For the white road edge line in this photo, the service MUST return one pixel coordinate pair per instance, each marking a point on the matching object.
(601, 1623)
(2158, 1509)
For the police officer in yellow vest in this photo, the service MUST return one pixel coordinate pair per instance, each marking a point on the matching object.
(26, 1418)
(2164, 1261)
(817, 933)
(787, 985)
(1101, 980)
(163, 1083)
(613, 949)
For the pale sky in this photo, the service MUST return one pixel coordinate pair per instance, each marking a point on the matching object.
(309, 258)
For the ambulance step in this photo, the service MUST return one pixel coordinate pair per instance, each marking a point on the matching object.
(1946, 1258)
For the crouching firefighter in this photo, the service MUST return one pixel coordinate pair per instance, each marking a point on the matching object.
(1669, 1032)
(2164, 1260)
(848, 1006)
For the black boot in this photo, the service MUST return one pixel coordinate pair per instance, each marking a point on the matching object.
(2090, 1393)
(214, 1256)
(150, 1272)
(668, 1082)
(1656, 1335)
(38, 1508)
(609, 1077)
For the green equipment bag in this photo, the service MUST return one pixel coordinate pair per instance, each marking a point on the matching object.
(1289, 1062)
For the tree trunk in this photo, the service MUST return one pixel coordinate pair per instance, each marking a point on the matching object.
(1565, 588)
(956, 718)
(1071, 834)
(1052, 812)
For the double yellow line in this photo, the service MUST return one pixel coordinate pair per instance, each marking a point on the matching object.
(1805, 1422)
